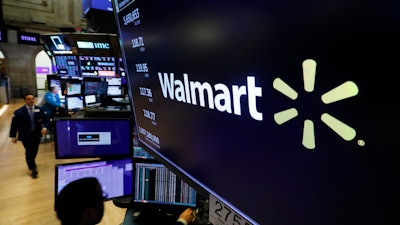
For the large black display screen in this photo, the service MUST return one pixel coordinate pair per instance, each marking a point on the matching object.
(282, 109)
(92, 137)
(57, 43)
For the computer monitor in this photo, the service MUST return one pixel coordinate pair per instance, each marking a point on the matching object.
(66, 86)
(74, 102)
(93, 137)
(114, 91)
(97, 66)
(156, 185)
(114, 80)
(95, 87)
(141, 153)
(114, 175)
(67, 65)
(159, 194)
(92, 101)
(54, 81)
(73, 88)
(58, 44)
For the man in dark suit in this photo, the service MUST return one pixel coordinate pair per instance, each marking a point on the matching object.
(30, 123)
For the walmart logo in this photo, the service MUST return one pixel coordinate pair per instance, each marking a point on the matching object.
(346, 90)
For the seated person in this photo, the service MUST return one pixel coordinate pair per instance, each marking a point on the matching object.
(186, 217)
(81, 202)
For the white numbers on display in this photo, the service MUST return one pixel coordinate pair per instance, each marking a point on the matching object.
(145, 92)
(141, 67)
(221, 214)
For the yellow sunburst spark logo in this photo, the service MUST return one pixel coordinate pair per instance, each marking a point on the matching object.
(346, 90)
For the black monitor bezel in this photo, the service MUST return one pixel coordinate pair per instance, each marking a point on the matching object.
(128, 153)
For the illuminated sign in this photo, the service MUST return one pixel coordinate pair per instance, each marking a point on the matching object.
(28, 38)
(261, 105)
(92, 45)
(343, 91)
(185, 91)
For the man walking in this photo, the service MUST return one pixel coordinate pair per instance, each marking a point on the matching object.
(30, 123)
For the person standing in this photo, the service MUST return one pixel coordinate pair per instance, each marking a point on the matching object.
(28, 124)
(51, 101)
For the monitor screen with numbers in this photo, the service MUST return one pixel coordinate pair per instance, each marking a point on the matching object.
(67, 65)
(282, 111)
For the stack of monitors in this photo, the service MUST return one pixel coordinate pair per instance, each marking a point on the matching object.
(108, 140)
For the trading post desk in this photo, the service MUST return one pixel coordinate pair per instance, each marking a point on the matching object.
(151, 215)
(108, 111)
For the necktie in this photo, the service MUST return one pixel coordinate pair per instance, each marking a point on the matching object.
(31, 114)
